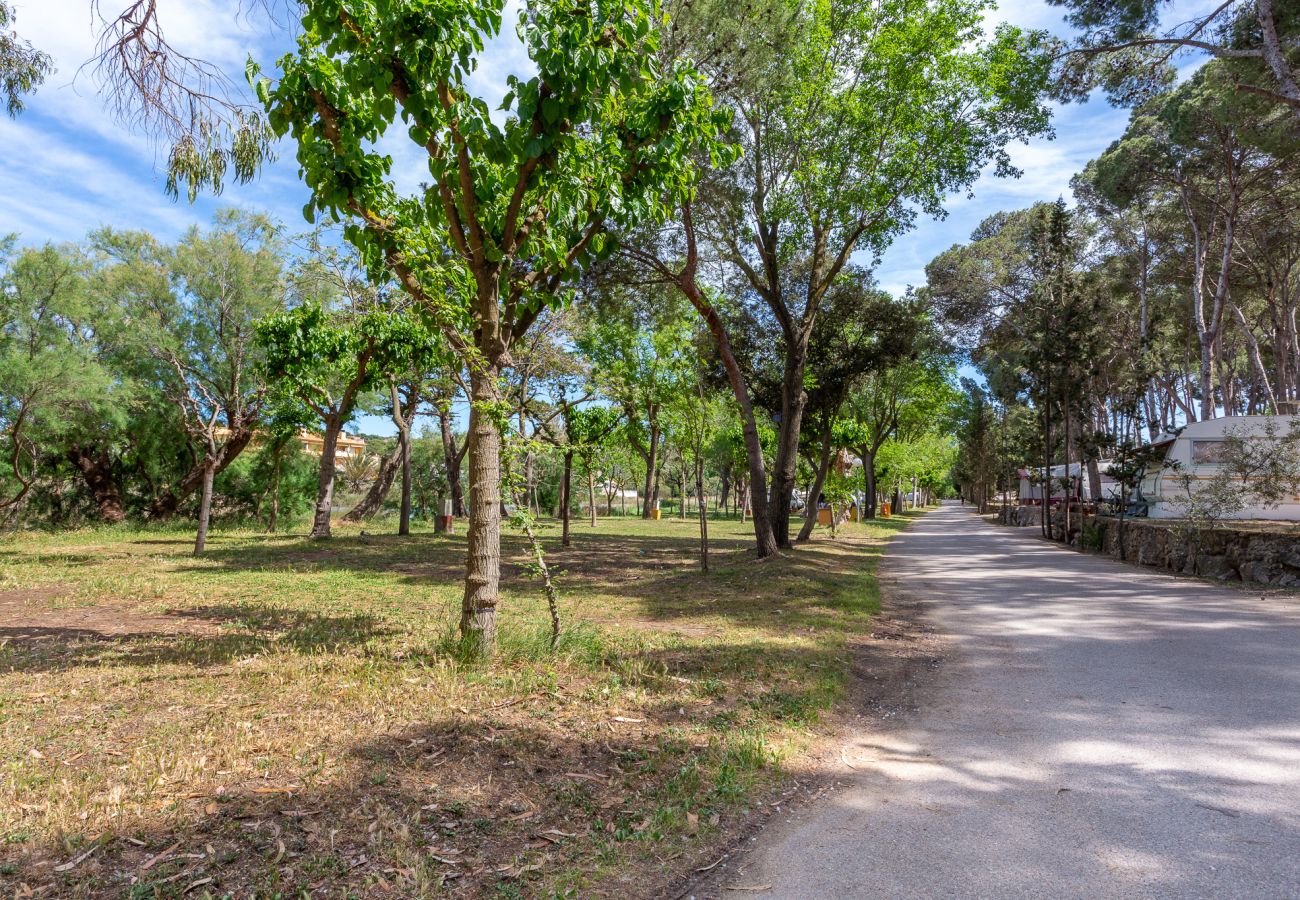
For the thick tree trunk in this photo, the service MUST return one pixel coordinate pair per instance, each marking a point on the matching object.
(205, 503)
(320, 526)
(868, 483)
(165, 506)
(793, 400)
(819, 479)
(478, 616)
(96, 470)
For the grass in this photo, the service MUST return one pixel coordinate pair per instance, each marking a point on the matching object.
(285, 718)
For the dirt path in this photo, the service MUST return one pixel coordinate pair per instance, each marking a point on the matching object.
(1095, 730)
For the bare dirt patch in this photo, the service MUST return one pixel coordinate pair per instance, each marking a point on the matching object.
(33, 615)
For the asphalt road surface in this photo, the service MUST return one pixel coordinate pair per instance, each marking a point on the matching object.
(1097, 730)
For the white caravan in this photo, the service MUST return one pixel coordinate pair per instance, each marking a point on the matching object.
(1198, 451)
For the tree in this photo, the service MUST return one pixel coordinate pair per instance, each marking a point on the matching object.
(22, 67)
(640, 346)
(882, 111)
(1126, 47)
(599, 137)
(48, 370)
(328, 358)
(225, 281)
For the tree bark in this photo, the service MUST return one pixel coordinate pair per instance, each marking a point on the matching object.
(651, 469)
(165, 506)
(96, 470)
(453, 458)
(565, 495)
(591, 491)
(793, 400)
(478, 616)
(868, 482)
(819, 479)
(205, 502)
(757, 506)
(320, 526)
(404, 514)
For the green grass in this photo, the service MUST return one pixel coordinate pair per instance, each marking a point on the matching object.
(293, 715)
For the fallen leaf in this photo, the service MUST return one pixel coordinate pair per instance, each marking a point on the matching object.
(211, 809)
(36, 754)
(159, 857)
(692, 822)
(70, 864)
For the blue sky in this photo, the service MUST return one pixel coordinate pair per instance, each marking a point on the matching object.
(69, 167)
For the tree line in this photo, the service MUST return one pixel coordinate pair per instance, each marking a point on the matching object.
(1166, 293)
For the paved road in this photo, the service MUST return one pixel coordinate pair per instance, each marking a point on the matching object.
(1097, 731)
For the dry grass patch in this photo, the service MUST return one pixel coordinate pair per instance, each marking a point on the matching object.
(284, 717)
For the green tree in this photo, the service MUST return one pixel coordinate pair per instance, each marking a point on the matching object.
(883, 110)
(1126, 47)
(48, 370)
(23, 68)
(327, 358)
(600, 137)
(224, 280)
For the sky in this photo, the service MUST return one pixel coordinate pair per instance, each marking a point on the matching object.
(69, 167)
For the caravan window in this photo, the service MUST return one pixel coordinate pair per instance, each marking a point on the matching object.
(1209, 453)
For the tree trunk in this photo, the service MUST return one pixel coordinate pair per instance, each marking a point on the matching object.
(591, 491)
(320, 526)
(96, 471)
(868, 482)
(374, 498)
(274, 519)
(565, 495)
(165, 506)
(793, 400)
(478, 616)
(819, 479)
(404, 516)
(205, 501)
(704, 513)
(651, 471)
(452, 457)
(763, 532)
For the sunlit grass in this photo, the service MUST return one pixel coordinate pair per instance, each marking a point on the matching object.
(293, 714)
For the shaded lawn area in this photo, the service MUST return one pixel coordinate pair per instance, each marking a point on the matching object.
(286, 716)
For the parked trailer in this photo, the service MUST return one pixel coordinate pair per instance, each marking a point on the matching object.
(1195, 454)
(1032, 487)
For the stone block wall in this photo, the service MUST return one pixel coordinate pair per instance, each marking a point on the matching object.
(1252, 556)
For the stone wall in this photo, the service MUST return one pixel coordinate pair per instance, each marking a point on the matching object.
(1253, 556)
